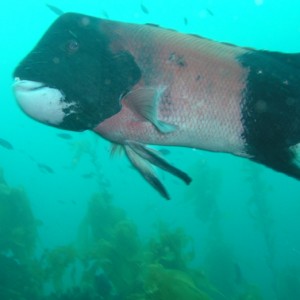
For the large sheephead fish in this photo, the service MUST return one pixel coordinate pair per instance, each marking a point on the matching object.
(136, 85)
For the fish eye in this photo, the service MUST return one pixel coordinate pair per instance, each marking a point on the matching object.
(72, 46)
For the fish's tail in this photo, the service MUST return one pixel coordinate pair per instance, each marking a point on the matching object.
(289, 158)
(286, 161)
(271, 109)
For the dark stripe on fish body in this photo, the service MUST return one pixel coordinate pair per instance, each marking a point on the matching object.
(271, 108)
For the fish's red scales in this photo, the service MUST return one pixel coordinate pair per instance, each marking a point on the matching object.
(203, 85)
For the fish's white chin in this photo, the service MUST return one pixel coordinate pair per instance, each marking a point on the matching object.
(40, 102)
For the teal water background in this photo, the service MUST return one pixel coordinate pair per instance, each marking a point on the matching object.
(263, 243)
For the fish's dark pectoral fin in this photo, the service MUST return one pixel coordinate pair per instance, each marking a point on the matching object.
(155, 158)
(146, 171)
(144, 102)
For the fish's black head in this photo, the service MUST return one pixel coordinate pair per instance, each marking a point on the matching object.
(73, 79)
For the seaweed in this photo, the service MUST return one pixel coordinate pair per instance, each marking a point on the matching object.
(18, 226)
(113, 247)
(18, 238)
(131, 267)
(55, 264)
(107, 261)
(162, 283)
(171, 248)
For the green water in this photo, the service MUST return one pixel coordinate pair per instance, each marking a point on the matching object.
(78, 224)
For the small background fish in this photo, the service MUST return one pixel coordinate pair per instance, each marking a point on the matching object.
(6, 144)
(144, 9)
(65, 136)
(55, 9)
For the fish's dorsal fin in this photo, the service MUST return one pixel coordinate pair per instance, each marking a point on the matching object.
(55, 9)
(144, 102)
(143, 157)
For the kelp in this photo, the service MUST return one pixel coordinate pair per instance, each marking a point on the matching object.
(171, 248)
(18, 227)
(108, 261)
(162, 284)
(18, 238)
(55, 264)
(133, 267)
(115, 246)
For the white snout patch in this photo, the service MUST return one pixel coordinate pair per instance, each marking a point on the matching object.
(40, 102)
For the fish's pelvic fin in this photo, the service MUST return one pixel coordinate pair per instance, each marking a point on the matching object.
(116, 149)
(146, 170)
(155, 158)
(143, 158)
(145, 102)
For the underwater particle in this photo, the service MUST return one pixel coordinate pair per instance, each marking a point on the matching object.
(5, 144)
(185, 21)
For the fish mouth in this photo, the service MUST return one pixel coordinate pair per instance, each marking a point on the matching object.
(27, 85)
(39, 101)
